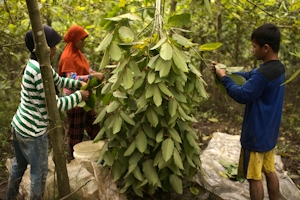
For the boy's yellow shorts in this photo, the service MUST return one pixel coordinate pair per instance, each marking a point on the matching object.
(252, 164)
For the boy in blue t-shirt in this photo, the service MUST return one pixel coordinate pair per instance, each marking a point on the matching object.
(263, 95)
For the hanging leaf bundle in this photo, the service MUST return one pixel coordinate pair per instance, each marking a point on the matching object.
(146, 109)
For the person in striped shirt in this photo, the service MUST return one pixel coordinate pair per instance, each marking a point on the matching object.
(29, 124)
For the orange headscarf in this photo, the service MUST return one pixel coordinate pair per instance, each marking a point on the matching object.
(72, 59)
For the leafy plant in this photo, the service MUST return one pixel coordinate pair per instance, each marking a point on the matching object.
(146, 115)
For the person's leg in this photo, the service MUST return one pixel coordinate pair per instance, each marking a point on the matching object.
(76, 120)
(18, 168)
(273, 185)
(38, 158)
(271, 177)
(91, 129)
(256, 189)
(254, 175)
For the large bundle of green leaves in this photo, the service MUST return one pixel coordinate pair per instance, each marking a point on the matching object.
(146, 114)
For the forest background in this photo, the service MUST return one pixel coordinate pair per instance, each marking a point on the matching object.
(227, 22)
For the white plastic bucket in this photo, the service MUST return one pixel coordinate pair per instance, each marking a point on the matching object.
(87, 150)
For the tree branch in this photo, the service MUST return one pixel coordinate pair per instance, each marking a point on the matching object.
(12, 21)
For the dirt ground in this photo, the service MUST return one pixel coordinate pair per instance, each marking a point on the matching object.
(222, 115)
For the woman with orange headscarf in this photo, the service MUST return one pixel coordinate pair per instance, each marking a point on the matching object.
(74, 64)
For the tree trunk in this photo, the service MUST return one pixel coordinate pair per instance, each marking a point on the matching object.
(158, 18)
(55, 128)
(219, 25)
(173, 4)
(237, 44)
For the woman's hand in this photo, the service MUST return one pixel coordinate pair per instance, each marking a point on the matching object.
(85, 94)
(98, 75)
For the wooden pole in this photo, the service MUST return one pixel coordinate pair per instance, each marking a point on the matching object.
(55, 127)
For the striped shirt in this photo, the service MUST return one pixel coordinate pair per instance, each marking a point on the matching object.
(31, 118)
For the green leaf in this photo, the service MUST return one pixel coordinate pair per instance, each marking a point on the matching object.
(176, 183)
(182, 40)
(151, 77)
(108, 158)
(165, 70)
(157, 96)
(179, 20)
(152, 117)
(191, 140)
(81, 104)
(120, 66)
(131, 167)
(135, 157)
(238, 79)
(128, 79)
(138, 83)
(141, 143)
(220, 66)
(126, 34)
(172, 106)
(117, 124)
(194, 70)
(106, 88)
(162, 86)
(115, 51)
(292, 77)
(130, 149)
(150, 172)
(105, 42)
(234, 69)
(159, 43)
(101, 116)
(99, 135)
(117, 170)
(150, 91)
(134, 67)
(112, 106)
(137, 174)
(148, 130)
(167, 149)
(160, 136)
(179, 60)
(152, 61)
(127, 118)
(207, 6)
(210, 46)
(129, 16)
(177, 159)
(105, 60)
(166, 51)
(119, 94)
(175, 135)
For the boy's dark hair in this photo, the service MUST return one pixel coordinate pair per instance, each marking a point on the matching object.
(267, 34)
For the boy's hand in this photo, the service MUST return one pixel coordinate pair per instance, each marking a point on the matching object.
(213, 67)
(219, 71)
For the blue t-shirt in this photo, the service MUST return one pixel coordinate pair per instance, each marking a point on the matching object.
(263, 97)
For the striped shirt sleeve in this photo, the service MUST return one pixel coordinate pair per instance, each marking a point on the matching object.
(68, 102)
(65, 82)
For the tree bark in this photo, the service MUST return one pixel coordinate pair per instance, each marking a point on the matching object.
(219, 25)
(158, 18)
(173, 4)
(55, 128)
